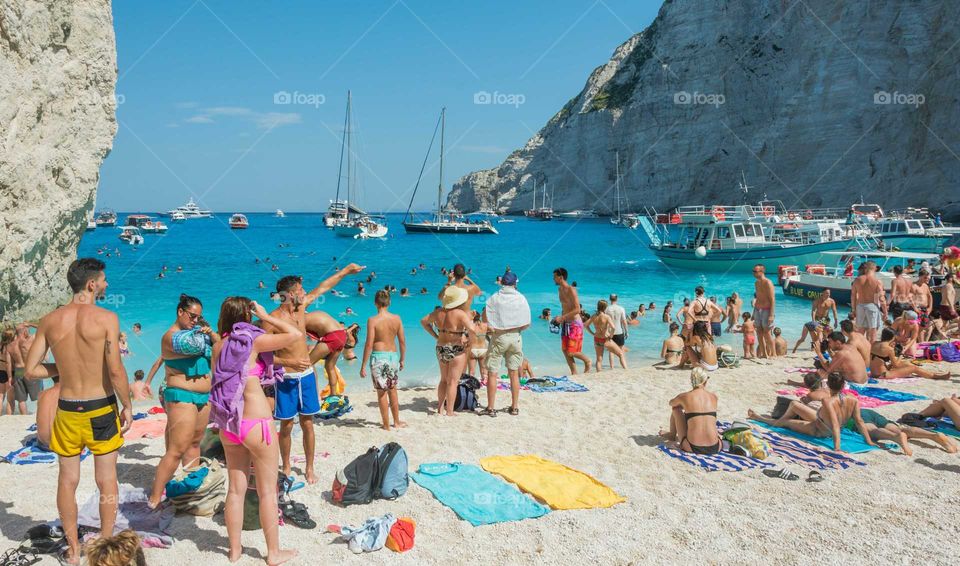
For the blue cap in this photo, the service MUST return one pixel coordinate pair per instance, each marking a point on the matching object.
(508, 278)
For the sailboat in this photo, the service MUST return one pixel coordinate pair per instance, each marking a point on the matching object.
(628, 220)
(443, 222)
(344, 218)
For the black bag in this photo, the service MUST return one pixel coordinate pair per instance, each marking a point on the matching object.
(781, 407)
(466, 393)
(356, 483)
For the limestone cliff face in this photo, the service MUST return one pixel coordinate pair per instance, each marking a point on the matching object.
(58, 71)
(817, 102)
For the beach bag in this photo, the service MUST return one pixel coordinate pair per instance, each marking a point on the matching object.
(401, 535)
(949, 352)
(783, 403)
(728, 360)
(392, 466)
(355, 483)
(933, 353)
(741, 435)
(207, 497)
(334, 406)
(466, 393)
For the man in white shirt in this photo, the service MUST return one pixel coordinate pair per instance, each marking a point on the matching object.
(619, 316)
(507, 314)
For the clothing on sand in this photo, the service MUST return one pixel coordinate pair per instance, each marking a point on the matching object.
(146, 428)
(553, 483)
(551, 384)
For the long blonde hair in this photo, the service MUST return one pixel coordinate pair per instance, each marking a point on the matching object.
(122, 549)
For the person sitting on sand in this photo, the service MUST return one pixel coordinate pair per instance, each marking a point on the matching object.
(858, 340)
(693, 417)
(836, 412)
(384, 350)
(138, 389)
(845, 359)
(700, 349)
(886, 364)
(779, 342)
(121, 549)
(243, 364)
(46, 413)
(749, 330)
(907, 329)
(672, 348)
(602, 328)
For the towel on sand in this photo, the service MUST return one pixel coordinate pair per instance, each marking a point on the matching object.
(562, 384)
(866, 402)
(945, 425)
(851, 442)
(476, 496)
(31, 453)
(504, 385)
(132, 513)
(885, 394)
(722, 462)
(556, 485)
(146, 428)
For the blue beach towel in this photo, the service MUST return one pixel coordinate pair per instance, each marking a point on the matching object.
(945, 425)
(885, 394)
(30, 453)
(476, 496)
(560, 384)
(850, 441)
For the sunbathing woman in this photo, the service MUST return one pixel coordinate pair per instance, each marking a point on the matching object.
(881, 428)
(672, 348)
(946, 407)
(185, 349)
(693, 417)
(885, 364)
(837, 411)
(245, 420)
(700, 350)
(451, 326)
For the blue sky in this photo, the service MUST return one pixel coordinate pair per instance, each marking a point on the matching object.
(198, 81)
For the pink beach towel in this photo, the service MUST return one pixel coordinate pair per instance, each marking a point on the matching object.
(146, 428)
(865, 402)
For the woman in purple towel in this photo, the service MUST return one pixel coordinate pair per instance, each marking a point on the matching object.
(693, 417)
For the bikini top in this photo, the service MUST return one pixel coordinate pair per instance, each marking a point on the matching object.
(703, 309)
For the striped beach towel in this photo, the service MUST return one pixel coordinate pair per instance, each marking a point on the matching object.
(722, 462)
(31, 453)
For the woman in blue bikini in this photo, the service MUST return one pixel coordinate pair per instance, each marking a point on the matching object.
(185, 349)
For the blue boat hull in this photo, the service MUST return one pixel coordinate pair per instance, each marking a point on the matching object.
(743, 260)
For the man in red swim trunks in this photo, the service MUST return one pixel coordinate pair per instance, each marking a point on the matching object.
(331, 338)
(571, 325)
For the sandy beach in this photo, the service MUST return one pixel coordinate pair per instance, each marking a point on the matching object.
(674, 512)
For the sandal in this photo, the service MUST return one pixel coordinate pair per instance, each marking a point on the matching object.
(783, 474)
(514, 411)
(20, 556)
(297, 514)
(488, 412)
(815, 477)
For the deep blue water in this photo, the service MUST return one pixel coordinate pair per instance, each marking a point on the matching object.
(218, 262)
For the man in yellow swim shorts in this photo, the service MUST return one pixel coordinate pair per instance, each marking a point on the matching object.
(84, 339)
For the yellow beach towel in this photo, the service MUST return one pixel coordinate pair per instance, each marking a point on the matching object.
(341, 385)
(554, 484)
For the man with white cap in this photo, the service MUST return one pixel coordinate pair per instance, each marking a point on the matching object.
(507, 315)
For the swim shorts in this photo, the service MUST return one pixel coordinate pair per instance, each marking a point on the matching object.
(869, 316)
(571, 336)
(93, 424)
(897, 308)
(869, 416)
(508, 345)
(4, 377)
(761, 317)
(947, 312)
(335, 340)
(716, 328)
(296, 395)
(178, 395)
(619, 339)
(24, 388)
(385, 369)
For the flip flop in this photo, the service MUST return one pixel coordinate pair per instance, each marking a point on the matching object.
(783, 474)
(514, 411)
(295, 486)
(488, 412)
(815, 477)
(296, 514)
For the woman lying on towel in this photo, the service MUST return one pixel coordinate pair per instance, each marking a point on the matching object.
(837, 411)
(946, 407)
(693, 417)
(886, 364)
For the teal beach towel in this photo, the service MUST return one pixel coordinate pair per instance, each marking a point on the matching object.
(850, 442)
(475, 495)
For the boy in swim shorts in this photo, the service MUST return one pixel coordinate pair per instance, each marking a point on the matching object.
(384, 351)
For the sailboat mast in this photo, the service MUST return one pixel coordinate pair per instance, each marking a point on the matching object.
(443, 128)
(618, 186)
(346, 117)
(349, 152)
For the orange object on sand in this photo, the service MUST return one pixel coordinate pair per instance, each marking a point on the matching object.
(401, 535)
(341, 385)
(146, 428)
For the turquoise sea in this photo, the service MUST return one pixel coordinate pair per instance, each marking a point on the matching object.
(218, 262)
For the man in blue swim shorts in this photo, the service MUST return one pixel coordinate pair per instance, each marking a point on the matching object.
(297, 395)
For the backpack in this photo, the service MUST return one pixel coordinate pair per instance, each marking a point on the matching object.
(392, 479)
(466, 393)
(354, 483)
(200, 491)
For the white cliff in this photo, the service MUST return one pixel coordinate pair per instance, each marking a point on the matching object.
(817, 102)
(58, 73)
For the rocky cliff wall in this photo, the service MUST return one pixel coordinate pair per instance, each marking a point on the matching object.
(58, 72)
(816, 102)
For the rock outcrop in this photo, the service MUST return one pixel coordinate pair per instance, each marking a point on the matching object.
(58, 72)
(816, 102)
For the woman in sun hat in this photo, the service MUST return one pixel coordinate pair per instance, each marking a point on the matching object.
(453, 328)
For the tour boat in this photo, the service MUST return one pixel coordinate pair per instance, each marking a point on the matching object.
(131, 235)
(443, 222)
(177, 217)
(91, 223)
(106, 218)
(279, 214)
(146, 224)
(542, 212)
(189, 211)
(239, 222)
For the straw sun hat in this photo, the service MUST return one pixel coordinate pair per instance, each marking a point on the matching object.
(454, 296)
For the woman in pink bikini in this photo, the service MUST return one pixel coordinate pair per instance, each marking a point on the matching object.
(243, 365)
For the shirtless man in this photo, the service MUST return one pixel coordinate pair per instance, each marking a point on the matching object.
(83, 338)
(856, 339)
(297, 395)
(819, 322)
(571, 332)
(384, 350)
(901, 293)
(763, 312)
(331, 338)
(948, 298)
(867, 300)
(923, 301)
(458, 277)
(846, 359)
(23, 388)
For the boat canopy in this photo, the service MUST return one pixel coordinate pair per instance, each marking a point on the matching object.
(888, 255)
